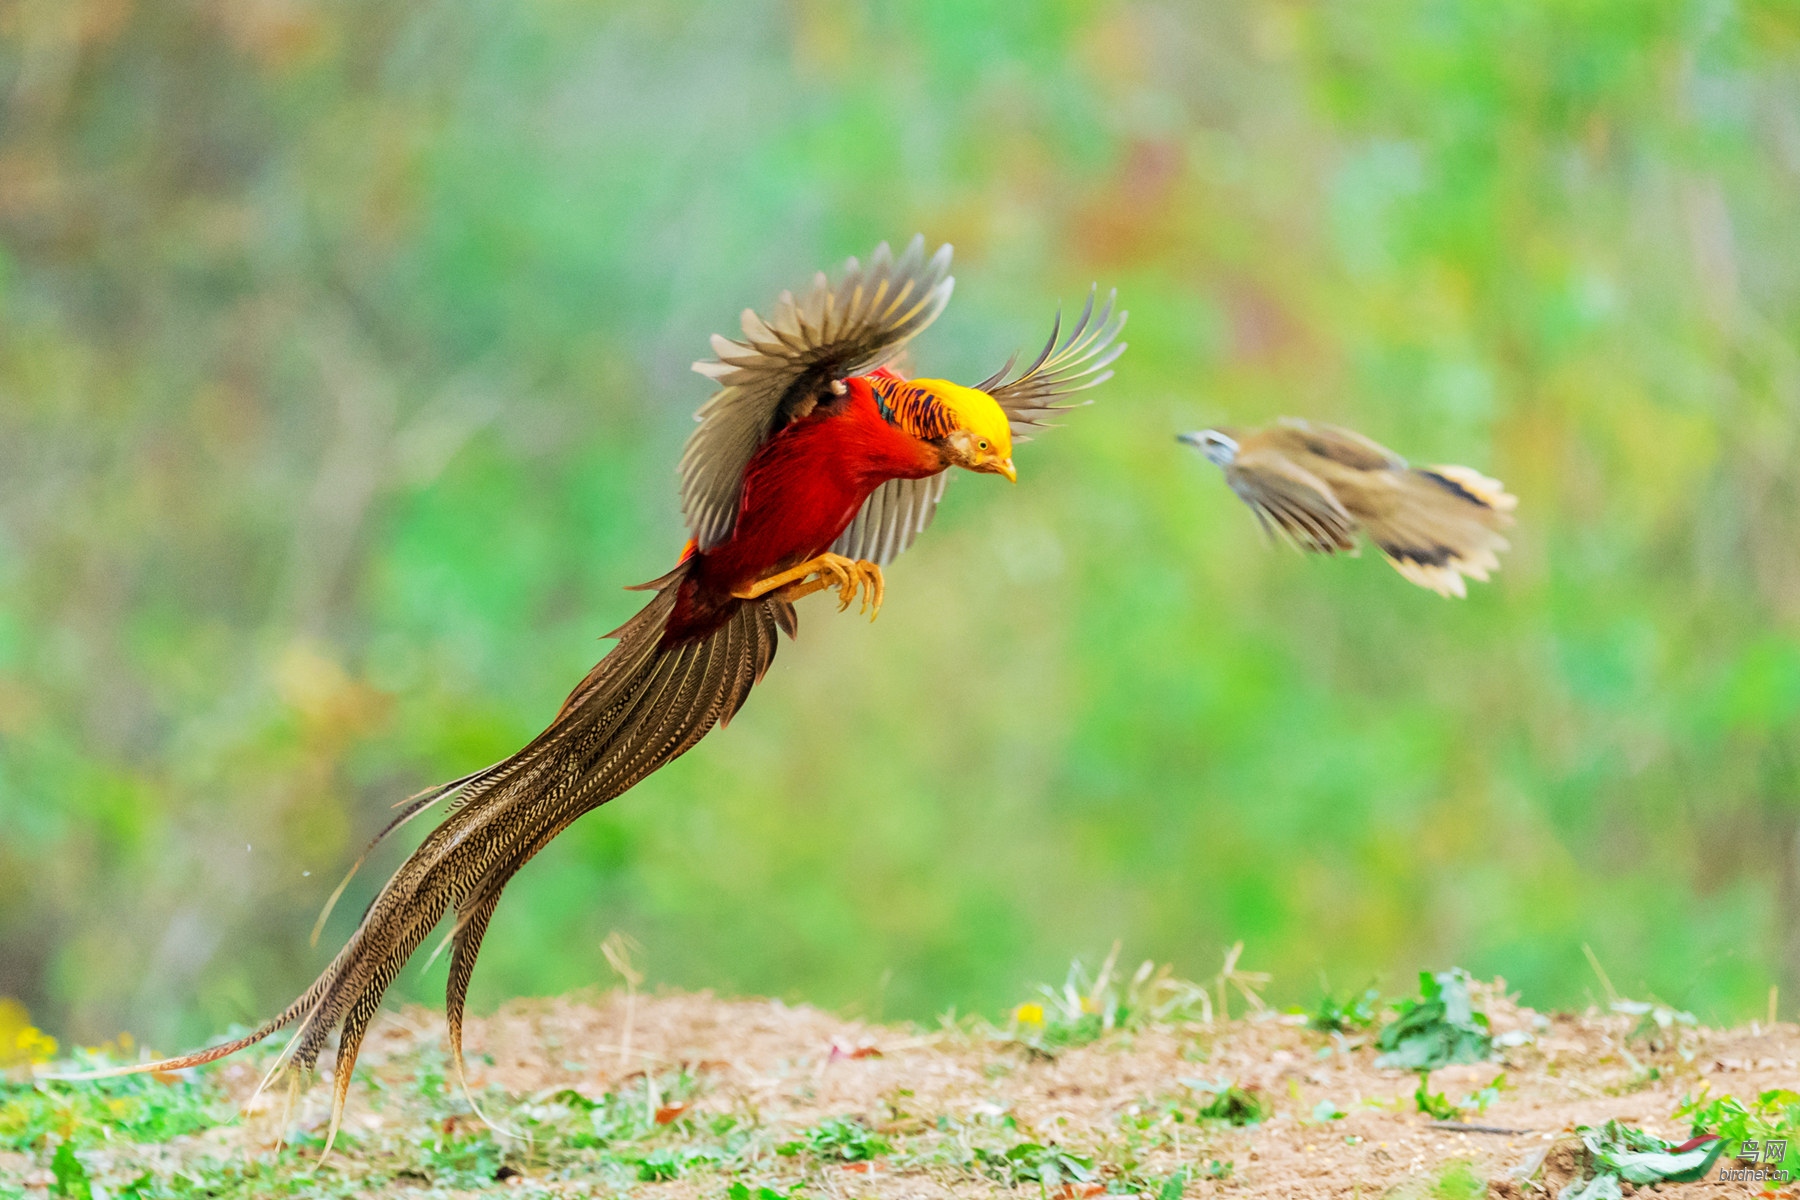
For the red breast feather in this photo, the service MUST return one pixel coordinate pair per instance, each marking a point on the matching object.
(802, 489)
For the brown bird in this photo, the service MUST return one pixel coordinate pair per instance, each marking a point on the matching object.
(1319, 484)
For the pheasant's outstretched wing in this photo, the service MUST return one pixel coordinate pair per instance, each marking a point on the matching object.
(785, 365)
(1082, 359)
(892, 519)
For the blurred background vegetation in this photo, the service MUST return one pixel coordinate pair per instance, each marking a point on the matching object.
(343, 369)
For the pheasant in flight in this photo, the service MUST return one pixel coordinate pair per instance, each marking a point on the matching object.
(1319, 484)
(814, 464)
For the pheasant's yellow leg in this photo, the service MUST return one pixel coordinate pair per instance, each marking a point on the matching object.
(847, 575)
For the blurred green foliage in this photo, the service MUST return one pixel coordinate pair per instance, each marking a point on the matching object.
(343, 356)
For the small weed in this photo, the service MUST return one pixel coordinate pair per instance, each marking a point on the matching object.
(1664, 1028)
(1435, 1105)
(71, 1178)
(1028, 1162)
(1327, 1110)
(1220, 1169)
(1347, 1015)
(1231, 1104)
(839, 1139)
(1084, 1009)
(743, 1191)
(1617, 1153)
(1481, 1100)
(1767, 1130)
(1439, 1028)
(1459, 1181)
(665, 1163)
(472, 1161)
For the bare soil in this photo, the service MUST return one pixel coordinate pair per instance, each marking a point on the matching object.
(791, 1067)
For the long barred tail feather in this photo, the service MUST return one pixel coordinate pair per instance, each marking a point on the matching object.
(642, 706)
(411, 807)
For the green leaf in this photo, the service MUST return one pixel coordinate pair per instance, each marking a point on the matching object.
(1342, 1016)
(71, 1176)
(1640, 1158)
(1438, 1029)
(1435, 1105)
(1029, 1162)
(844, 1139)
(1600, 1187)
(1230, 1103)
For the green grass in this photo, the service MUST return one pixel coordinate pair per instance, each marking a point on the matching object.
(96, 1137)
(134, 1138)
(135, 1108)
(431, 1139)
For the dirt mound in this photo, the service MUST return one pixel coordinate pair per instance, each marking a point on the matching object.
(686, 1095)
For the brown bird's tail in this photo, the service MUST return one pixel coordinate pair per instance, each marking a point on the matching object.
(642, 706)
(1444, 525)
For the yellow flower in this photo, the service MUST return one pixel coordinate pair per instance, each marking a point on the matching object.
(20, 1044)
(1029, 1013)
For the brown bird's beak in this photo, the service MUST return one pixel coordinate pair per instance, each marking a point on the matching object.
(1001, 466)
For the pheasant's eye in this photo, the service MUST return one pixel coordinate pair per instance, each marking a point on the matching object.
(981, 445)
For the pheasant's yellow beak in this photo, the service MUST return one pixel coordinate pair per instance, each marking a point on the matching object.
(1003, 466)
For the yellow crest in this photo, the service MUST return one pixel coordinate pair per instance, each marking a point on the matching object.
(971, 409)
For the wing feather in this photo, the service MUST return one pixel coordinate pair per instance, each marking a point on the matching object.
(1288, 497)
(1344, 447)
(1082, 359)
(892, 518)
(785, 364)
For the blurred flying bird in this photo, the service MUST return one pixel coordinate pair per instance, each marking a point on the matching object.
(814, 464)
(1319, 484)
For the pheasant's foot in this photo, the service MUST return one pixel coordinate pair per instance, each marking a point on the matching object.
(847, 575)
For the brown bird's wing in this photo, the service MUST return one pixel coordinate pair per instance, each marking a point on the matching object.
(1082, 360)
(784, 367)
(1438, 526)
(1288, 498)
(1343, 448)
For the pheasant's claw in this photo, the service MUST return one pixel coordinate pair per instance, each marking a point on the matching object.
(868, 580)
(847, 576)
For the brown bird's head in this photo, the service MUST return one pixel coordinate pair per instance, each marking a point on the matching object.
(1218, 445)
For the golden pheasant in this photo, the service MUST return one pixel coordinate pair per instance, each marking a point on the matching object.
(1319, 484)
(814, 464)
